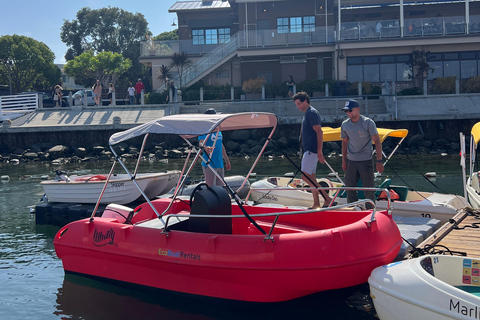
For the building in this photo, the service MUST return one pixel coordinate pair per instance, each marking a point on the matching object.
(345, 40)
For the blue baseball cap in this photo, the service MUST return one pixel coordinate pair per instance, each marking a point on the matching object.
(350, 104)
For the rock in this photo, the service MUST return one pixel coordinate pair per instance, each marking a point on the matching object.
(97, 150)
(282, 142)
(80, 152)
(174, 154)
(30, 155)
(58, 151)
(232, 146)
(240, 135)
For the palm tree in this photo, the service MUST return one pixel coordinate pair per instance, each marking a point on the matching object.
(164, 74)
(180, 61)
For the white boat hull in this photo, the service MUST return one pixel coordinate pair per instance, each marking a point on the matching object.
(418, 204)
(120, 189)
(473, 191)
(406, 290)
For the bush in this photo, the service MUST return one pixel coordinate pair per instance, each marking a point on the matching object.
(444, 85)
(155, 98)
(410, 92)
(254, 85)
(276, 90)
(472, 85)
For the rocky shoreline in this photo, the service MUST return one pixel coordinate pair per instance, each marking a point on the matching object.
(238, 143)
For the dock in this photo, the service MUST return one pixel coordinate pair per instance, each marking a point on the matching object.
(460, 236)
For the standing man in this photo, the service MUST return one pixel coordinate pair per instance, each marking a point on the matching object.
(131, 94)
(138, 89)
(312, 141)
(357, 133)
(216, 153)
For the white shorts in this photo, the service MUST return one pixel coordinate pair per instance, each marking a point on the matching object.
(309, 162)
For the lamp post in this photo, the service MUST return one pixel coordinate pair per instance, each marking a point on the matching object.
(10, 62)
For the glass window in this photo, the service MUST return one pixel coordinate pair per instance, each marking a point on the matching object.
(437, 67)
(223, 35)
(434, 57)
(468, 68)
(370, 60)
(451, 56)
(403, 58)
(387, 72)
(309, 24)
(387, 59)
(468, 55)
(355, 73)
(451, 68)
(211, 36)
(198, 37)
(295, 24)
(371, 73)
(404, 72)
(282, 25)
(356, 60)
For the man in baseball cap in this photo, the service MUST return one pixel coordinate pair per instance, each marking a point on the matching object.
(349, 105)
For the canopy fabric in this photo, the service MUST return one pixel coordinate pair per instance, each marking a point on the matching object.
(192, 125)
(476, 132)
(333, 134)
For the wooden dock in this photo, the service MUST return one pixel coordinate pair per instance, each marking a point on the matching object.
(461, 234)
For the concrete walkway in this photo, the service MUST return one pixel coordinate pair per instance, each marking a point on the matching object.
(74, 119)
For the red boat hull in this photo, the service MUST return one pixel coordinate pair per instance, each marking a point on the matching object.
(309, 253)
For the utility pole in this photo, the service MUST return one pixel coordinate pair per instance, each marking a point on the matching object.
(10, 62)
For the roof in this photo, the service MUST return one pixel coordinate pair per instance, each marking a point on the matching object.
(333, 134)
(199, 5)
(192, 125)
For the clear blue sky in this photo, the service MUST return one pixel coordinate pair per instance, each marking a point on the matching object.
(42, 20)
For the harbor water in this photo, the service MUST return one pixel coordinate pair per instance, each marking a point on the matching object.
(34, 286)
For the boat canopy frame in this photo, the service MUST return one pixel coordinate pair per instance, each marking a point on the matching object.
(188, 126)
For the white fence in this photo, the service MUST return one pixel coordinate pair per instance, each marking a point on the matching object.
(14, 106)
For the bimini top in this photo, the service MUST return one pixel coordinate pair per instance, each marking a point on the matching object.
(476, 132)
(333, 134)
(192, 125)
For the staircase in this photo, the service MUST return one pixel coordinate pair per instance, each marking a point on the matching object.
(210, 61)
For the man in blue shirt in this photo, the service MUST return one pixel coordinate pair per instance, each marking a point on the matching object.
(312, 141)
(214, 153)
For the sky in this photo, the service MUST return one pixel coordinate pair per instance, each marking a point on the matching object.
(43, 19)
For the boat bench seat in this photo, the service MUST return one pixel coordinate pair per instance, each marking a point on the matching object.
(280, 228)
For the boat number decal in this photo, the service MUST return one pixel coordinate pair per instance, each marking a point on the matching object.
(471, 272)
(117, 186)
(426, 215)
(179, 254)
(103, 238)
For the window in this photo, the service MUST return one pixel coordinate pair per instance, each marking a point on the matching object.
(468, 69)
(459, 64)
(210, 36)
(379, 68)
(296, 24)
(222, 74)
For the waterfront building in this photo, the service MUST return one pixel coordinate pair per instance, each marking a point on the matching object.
(345, 40)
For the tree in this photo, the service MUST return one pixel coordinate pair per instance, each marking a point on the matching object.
(167, 35)
(164, 74)
(30, 63)
(108, 29)
(105, 66)
(180, 61)
(420, 66)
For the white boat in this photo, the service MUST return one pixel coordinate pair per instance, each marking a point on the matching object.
(430, 287)
(472, 187)
(407, 203)
(120, 188)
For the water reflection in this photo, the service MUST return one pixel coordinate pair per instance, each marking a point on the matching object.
(85, 298)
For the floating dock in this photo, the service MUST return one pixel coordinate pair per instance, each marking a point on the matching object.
(460, 235)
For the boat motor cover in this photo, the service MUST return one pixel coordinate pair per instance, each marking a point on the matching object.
(211, 201)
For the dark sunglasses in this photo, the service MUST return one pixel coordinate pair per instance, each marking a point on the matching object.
(349, 110)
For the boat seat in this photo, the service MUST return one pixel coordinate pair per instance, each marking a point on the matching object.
(212, 200)
(280, 228)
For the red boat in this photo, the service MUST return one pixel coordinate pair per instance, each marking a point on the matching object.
(212, 247)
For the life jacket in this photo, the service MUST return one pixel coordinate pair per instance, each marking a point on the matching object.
(99, 177)
(393, 195)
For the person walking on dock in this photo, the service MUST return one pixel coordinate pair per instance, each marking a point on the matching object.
(312, 141)
(357, 133)
(131, 94)
(138, 90)
(97, 92)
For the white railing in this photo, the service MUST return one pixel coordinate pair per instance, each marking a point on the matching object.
(16, 105)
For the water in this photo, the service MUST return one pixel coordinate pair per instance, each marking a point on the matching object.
(33, 284)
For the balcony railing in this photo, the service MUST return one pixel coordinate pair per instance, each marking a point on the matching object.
(384, 29)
